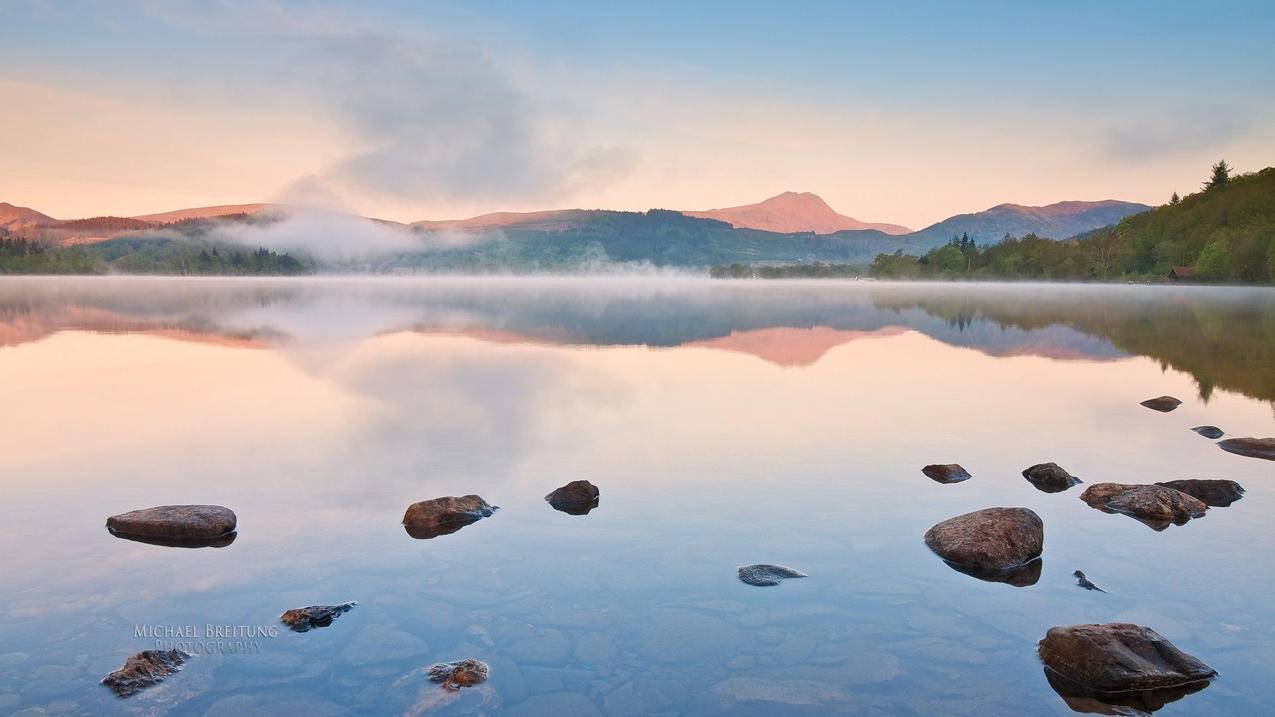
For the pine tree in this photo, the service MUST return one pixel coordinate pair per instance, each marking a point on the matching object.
(1221, 175)
(1174, 199)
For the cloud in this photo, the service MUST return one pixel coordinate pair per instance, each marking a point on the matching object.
(1175, 135)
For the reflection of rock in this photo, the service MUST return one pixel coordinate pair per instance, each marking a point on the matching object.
(1138, 702)
(577, 497)
(763, 575)
(458, 674)
(1163, 404)
(1050, 477)
(1119, 658)
(174, 521)
(946, 473)
(1251, 447)
(1209, 431)
(1217, 492)
(441, 516)
(144, 669)
(220, 541)
(303, 619)
(992, 539)
(1020, 576)
(1154, 505)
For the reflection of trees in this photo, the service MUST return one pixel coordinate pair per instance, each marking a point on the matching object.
(1223, 340)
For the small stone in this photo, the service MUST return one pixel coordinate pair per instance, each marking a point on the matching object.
(765, 575)
(1263, 448)
(1050, 477)
(442, 516)
(1209, 431)
(576, 498)
(946, 473)
(304, 619)
(1214, 492)
(458, 674)
(1163, 404)
(144, 669)
(175, 521)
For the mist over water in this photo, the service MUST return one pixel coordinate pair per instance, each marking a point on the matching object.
(725, 423)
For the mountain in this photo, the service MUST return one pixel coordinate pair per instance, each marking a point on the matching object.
(1055, 221)
(18, 218)
(790, 213)
(549, 219)
(219, 210)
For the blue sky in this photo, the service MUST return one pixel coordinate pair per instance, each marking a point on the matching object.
(903, 111)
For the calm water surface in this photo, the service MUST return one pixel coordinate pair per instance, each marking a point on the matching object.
(725, 424)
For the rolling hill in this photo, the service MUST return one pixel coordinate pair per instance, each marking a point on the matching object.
(1056, 221)
(791, 213)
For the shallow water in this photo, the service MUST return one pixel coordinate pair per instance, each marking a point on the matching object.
(725, 423)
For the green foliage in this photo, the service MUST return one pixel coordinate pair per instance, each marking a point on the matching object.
(145, 255)
(1221, 174)
(814, 270)
(1215, 261)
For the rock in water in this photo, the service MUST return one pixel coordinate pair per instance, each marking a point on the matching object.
(763, 575)
(441, 516)
(1050, 477)
(946, 472)
(1084, 582)
(1119, 657)
(1215, 492)
(458, 674)
(202, 522)
(577, 497)
(1163, 404)
(990, 539)
(1251, 447)
(304, 619)
(1209, 431)
(144, 669)
(1154, 505)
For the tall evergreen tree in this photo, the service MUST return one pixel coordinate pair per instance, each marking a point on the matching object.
(1221, 175)
(1174, 199)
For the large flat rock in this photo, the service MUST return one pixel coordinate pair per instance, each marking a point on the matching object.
(1154, 505)
(1252, 447)
(1119, 657)
(175, 521)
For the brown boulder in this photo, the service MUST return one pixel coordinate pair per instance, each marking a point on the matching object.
(304, 619)
(441, 516)
(991, 539)
(201, 522)
(458, 674)
(144, 669)
(946, 473)
(1163, 404)
(1119, 657)
(1215, 492)
(577, 497)
(1251, 447)
(1050, 477)
(1153, 505)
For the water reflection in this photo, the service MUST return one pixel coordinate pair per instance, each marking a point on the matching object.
(1139, 702)
(220, 541)
(1020, 576)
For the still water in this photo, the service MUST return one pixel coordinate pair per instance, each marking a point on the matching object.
(725, 423)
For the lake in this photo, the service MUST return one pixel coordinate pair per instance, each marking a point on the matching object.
(725, 424)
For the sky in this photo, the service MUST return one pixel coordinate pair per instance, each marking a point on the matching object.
(903, 112)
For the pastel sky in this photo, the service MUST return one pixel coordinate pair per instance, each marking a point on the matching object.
(903, 112)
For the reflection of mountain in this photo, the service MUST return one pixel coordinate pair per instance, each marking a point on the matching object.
(1223, 338)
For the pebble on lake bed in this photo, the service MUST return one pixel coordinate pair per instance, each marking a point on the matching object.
(766, 575)
(1163, 404)
(144, 669)
(304, 619)
(946, 473)
(458, 674)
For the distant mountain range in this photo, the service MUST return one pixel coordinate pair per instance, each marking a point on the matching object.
(788, 228)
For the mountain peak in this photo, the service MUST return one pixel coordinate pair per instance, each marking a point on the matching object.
(791, 212)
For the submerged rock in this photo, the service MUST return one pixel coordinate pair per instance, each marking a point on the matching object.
(144, 669)
(458, 674)
(1251, 447)
(1214, 492)
(946, 473)
(200, 522)
(1209, 431)
(764, 575)
(1154, 505)
(441, 516)
(1163, 404)
(577, 497)
(1084, 582)
(1119, 657)
(991, 539)
(303, 619)
(1050, 477)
